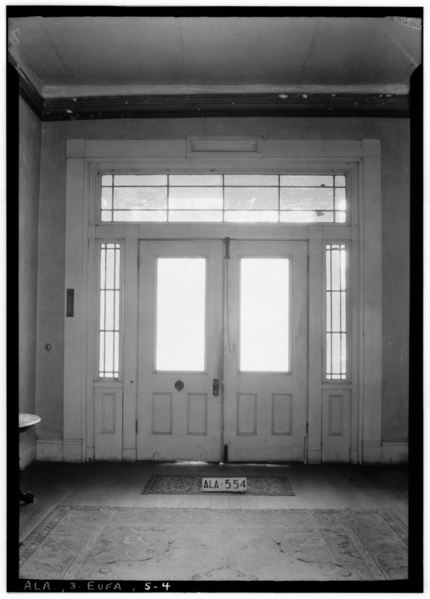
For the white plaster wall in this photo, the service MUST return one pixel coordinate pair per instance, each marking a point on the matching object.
(29, 181)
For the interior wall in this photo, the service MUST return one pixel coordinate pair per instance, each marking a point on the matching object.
(29, 178)
(394, 136)
(30, 129)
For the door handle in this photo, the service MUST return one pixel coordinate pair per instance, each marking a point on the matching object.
(179, 385)
(215, 387)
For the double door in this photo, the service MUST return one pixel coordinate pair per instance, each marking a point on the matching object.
(222, 350)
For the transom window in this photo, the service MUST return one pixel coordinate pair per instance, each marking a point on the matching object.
(257, 198)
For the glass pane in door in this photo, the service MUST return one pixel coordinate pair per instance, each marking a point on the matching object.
(180, 314)
(264, 314)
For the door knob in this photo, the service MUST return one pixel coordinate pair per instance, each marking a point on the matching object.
(215, 387)
(179, 385)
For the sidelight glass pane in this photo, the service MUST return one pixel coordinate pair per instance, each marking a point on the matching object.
(336, 311)
(109, 310)
(181, 314)
(264, 314)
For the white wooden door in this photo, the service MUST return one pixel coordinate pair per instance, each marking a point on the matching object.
(179, 350)
(265, 367)
(260, 411)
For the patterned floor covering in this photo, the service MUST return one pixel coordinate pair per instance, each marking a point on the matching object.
(169, 484)
(111, 543)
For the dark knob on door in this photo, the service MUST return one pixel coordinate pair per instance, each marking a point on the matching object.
(179, 385)
(215, 387)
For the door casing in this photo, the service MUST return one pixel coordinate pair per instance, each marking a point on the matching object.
(360, 158)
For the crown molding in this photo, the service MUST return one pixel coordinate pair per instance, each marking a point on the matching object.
(79, 91)
(32, 97)
(27, 90)
(227, 104)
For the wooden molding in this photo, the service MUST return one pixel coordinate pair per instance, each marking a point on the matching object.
(222, 105)
(31, 96)
(213, 105)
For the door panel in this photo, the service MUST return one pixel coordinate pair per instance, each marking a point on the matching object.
(180, 350)
(108, 421)
(265, 389)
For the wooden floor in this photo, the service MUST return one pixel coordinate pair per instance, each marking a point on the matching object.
(120, 484)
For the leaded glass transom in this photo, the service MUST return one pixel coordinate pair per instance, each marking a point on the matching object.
(255, 198)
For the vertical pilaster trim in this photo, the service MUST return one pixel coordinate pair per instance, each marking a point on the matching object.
(371, 340)
(74, 326)
(360, 301)
(92, 312)
(130, 310)
(315, 340)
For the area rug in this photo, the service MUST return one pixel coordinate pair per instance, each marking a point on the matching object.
(172, 484)
(113, 543)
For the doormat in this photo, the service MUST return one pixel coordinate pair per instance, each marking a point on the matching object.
(173, 484)
(120, 543)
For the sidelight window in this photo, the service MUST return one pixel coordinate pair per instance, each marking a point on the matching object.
(109, 310)
(336, 330)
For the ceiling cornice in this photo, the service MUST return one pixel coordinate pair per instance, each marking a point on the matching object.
(29, 92)
(234, 105)
(78, 91)
(303, 104)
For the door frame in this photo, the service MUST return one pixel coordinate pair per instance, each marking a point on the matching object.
(360, 158)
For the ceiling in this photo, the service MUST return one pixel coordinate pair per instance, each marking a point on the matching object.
(77, 57)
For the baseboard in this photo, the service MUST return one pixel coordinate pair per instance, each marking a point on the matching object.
(72, 450)
(395, 451)
(59, 450)
(314, 456)
(27, 449)
(353, 456)
(372, 452)
(129, 454)
(49, 450)
(90, 454)
(56, 450)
